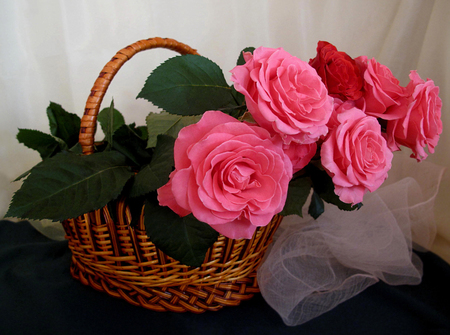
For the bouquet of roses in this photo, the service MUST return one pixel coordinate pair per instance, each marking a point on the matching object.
(226, 159)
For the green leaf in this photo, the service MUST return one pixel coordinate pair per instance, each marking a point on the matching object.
(69, 185)
(135, 206)
(62, 144)
(23, 175)
(188, 85)
(316, 207)
(183, 238)
(63, 125)
(76, 149)
(165, 123)
(45, 144)
(298, 193)
(156, 174)
(142, 132)
(110, 120)
(26, 173)
(131, 145)
(241, 60)
(238, 97)
(324, 187)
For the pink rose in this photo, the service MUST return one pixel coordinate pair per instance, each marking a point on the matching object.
(339, 107)
(338, 71)
(300, 154)
(356, 156)
(381, 89)
(232, 175)
(284, 95)
(420, 124)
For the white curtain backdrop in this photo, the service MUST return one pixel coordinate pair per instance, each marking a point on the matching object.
(53, 50)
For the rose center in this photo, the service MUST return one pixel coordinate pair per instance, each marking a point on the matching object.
(373, 153)
(240, 178)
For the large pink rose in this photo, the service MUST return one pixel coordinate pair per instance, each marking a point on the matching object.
(421, 124)
(284, 95)
(232, 175)
(381, 89)
(356, 156)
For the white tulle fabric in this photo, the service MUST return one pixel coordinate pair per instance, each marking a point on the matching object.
(314, 265)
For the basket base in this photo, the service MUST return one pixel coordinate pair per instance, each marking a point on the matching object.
(185, 298)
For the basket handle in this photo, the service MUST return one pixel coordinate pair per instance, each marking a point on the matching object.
(89, 119)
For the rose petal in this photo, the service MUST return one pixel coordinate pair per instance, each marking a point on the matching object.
(166, 198)
(236, 230)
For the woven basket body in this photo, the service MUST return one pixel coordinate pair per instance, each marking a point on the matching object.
(111, 256)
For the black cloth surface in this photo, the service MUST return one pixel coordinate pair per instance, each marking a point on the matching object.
(38, 296)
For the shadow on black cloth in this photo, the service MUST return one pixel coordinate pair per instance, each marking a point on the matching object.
(38, 296)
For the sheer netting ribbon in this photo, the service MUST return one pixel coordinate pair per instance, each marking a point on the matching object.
(314, 265)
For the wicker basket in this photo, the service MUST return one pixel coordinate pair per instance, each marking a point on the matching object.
(111, 256)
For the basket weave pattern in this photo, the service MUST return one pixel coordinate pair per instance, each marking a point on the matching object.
(111, 256)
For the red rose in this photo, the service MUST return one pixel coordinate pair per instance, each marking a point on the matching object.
(338, 71)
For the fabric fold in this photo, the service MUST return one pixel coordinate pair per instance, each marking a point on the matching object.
(314, 265)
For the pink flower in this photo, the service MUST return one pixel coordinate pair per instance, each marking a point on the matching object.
(356, 156)
(339, 107)
(232, 175)
(381, 89)
(338, 71)
(284, 95)
(420, 124)
(300, 154)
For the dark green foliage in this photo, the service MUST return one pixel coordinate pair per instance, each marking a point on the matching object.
(316, 207)
(155, 174)
(184, 238)
(324, 187)
(241, 60)
(43, 143)
(165, 123)
(110, 120)
(68, 185)
(189, 78)
(63, 125)
(298, 193)
(128, 141)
